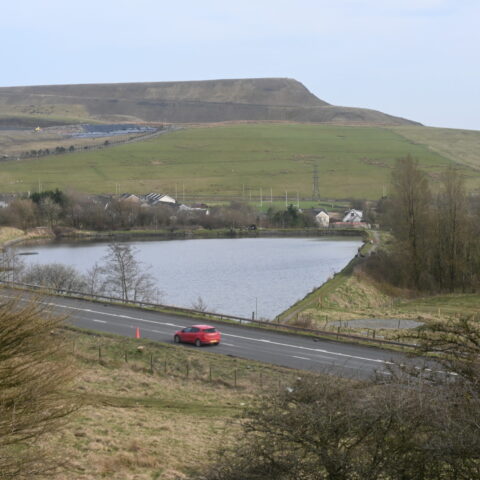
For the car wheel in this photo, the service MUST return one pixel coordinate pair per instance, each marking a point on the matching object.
(176, 339)
(198, 343)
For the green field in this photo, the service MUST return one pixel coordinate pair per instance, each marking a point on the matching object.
(236, 160)
(461, 146)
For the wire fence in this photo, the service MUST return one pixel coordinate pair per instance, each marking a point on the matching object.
(167, 361)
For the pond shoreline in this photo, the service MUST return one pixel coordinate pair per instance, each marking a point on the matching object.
(44, 235)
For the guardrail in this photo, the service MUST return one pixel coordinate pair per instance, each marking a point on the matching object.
(213, 315)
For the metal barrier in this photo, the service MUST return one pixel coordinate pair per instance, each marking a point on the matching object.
(213, 315)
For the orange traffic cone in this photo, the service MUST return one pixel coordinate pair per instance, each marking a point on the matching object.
(137, 333)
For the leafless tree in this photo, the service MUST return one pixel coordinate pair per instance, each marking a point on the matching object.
(199, 305)
(94, 281)
(125, 276)
(416, 425)
(21, 213)
(34, 383)
(11, 264)
(411, 217)
(50, 211)
(54, 275)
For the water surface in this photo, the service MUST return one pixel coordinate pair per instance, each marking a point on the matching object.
(232, 276)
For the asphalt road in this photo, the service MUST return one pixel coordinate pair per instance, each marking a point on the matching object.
(288, 350)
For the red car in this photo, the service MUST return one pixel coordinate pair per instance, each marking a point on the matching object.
(198, 335)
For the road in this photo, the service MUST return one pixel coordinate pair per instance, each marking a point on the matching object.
(288, 350)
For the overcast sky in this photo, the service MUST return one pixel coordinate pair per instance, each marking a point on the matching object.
(417, 59)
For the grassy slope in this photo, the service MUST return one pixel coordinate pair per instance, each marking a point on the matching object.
(461, 146)
(352, 294)
(140, 425)
(352, 162)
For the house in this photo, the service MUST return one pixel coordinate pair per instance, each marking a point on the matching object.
(353, 216)
(130, 198)
(322, 219)
(158, 199)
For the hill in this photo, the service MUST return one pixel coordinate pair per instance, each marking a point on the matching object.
(236, 160)
(257, 99)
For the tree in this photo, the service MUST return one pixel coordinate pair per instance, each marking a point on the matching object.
(125, 276)
(50, 211)
(452, 232)
(22, 213)
(418, 424)
(410, 217)
(11, 265)
(54, 275)
(34, 380)
(199, 305)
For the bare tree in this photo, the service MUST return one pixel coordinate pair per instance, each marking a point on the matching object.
(410, 217)
(22, 213)
(416, 425)
(54, 275)
(11, 265)
(125, 276)
(34, 376)
(199, 305)
(452, 232)
(94, 282)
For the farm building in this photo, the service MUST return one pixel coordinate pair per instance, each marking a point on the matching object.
(157, 198)
(353, 216)
(322, 219)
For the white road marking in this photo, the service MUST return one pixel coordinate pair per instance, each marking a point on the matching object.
(261, 340)
(301, 358)
(98, 321)
(319, 350)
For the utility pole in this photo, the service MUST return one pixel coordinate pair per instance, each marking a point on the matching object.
(286, 199)
(271, 195)
(261, 198)
(315, 189)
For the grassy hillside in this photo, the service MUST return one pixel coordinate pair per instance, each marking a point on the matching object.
(144, 424)
(232, 159)
(461, 146)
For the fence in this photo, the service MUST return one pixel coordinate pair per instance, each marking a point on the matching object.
(274, 324)
(168, 361)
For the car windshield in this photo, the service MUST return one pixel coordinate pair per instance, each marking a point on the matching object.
(209, 330)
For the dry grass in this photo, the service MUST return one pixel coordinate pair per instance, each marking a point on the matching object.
(138, 424)
(461, 146)
(8, 234)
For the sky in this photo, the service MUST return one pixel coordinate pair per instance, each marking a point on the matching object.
(417, 59)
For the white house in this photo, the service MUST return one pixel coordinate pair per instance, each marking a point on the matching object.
(157, 198)
(322, 219)
(353, 216)
(130, 198)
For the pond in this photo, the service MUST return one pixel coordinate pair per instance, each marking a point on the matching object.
(231, 276)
